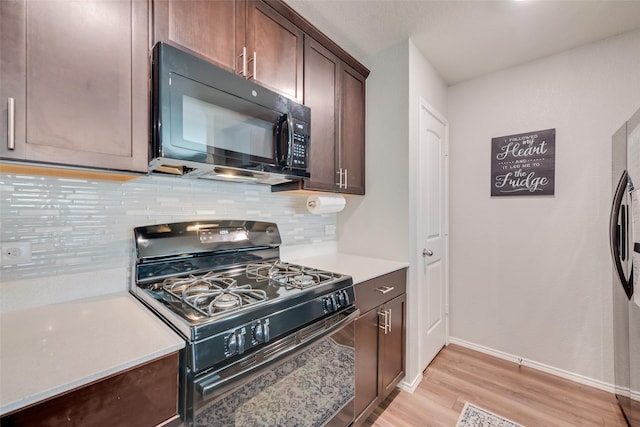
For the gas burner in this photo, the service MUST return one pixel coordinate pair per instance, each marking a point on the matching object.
(283, 274)
(194, 283)
(263, 271)
(303, 280)
(211, 294)
(226, 301)
(294, 279)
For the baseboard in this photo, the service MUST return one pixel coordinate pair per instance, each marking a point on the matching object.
(410, 386)
(535, 365)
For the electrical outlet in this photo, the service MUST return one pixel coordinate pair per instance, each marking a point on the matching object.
(16, 252)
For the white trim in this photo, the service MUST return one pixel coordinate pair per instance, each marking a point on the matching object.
(416, 230)
(410, 386)
(435, 113)
(536, 365)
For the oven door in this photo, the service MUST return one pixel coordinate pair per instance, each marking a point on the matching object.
(307, 378)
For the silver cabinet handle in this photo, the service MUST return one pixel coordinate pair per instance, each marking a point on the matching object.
(11, 123)
(388, 322)
(385, 320)
(339, 183)
(346, 177)
(252, 76)
(386, 316)
(427, 252)
(244, 62)
(384, 289)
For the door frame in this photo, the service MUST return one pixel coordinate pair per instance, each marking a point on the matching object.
(414, 344)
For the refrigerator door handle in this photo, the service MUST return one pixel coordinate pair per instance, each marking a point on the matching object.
(618, 236)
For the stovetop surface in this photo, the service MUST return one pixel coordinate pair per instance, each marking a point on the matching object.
(257, 283)
(278, 291)
(235, 278)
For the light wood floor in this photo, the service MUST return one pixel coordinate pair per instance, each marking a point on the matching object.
(524, 395)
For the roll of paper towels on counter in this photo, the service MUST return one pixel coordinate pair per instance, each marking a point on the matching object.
(325, 204)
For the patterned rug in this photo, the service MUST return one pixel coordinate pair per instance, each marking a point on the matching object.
(472, 416)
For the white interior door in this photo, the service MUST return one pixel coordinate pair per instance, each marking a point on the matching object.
(432, 233)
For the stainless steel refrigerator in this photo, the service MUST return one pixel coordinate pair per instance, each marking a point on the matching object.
(625, 250)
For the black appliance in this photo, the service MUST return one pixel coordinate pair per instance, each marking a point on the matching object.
(211, 123)
(625, 250)
(267, 342)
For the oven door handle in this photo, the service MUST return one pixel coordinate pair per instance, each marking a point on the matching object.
(217, 382)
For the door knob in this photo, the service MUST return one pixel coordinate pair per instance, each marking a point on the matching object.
(427, 252)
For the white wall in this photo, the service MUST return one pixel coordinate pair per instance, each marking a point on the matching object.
(376, 225)
(382, 224)
(425, 82)
(531, 276)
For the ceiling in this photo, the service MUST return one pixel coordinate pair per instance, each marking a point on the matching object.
(466, 39)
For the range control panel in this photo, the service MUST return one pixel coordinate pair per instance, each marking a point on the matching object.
(245, 338)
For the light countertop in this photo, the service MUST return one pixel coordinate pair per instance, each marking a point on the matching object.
(358, 267)
(51, 349)
(48, 350)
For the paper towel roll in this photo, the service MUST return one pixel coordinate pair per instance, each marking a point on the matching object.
(325, 204)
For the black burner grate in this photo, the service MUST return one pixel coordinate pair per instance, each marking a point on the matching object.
(212, 294)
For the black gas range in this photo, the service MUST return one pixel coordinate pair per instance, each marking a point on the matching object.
(222, 286)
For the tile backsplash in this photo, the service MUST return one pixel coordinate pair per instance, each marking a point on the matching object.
(79, 226)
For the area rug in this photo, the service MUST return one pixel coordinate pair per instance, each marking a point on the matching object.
(472, 416)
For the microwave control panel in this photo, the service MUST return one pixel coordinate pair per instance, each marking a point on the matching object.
(299, 148)
(299, 151)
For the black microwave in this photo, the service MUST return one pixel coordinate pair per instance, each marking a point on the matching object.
(210, 123)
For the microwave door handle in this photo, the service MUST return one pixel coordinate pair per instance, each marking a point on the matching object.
(616, 235)
(289, 145)
(279, 142)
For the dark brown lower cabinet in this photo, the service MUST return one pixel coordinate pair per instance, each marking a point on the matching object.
(146, 395)
(380, 340)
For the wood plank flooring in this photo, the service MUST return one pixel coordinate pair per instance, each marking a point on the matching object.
(524, 395)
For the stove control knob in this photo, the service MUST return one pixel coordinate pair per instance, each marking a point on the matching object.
(329, 304)
(235, 343)
(343, 298)
(261, 332)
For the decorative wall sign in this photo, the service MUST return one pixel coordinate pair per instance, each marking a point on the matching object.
(524, 164)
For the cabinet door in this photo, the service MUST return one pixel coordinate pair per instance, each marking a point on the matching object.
(78, 74)
(146, 395)
(393, 347)
(352, 130)
(321, 95)
(367, 383)
(274, 50)
(213, 29)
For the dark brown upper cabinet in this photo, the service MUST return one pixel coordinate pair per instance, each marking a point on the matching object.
(322, 76)
(335, 92)
(74, 82)
(352, 121)
(207, 28)
(247, 37)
